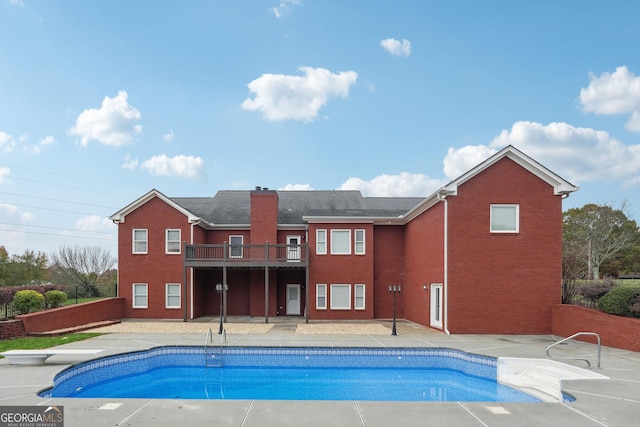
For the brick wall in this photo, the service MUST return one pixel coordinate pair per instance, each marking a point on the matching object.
(11, 329)
(614, 331)
(73, 315)
(156, 268)
(504, 283)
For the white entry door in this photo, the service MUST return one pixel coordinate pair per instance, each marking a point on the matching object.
(436, 305)
(293, 300)
(293, 248)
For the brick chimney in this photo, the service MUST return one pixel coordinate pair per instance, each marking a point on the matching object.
(264, 216)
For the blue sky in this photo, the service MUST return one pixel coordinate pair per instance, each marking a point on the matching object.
(102, 101)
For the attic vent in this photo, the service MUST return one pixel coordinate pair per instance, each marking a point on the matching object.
(258, 188)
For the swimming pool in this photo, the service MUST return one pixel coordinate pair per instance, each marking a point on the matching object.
(389, 374)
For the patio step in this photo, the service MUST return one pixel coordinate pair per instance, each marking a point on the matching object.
(540, 377)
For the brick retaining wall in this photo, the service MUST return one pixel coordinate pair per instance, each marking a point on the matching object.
(11, 329)
(614, 331)
(73, 315)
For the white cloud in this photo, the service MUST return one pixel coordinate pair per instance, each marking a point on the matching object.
(7, 143)
(17, 2)
(577, 154)
(42, 143)
(14, 211)
(404, 184)
(95, 223)
(296, 187)
(181, 166)
(26, 217)
(130, 163)
(397, 47)
(4, 172)
(168, 137)
(614, 93)
(633, 124)
(282, 97)
(459, 161)
(9, 209)
(284, 7)
(112, 124)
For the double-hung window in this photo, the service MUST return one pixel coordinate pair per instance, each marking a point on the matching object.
(235, 246)
(321, 242)
(358, 302)
(340, 242)
(505, 218)
(140, 295)
(341, 297)
(321, 296)
(359, 242)
(172, 243)
(172, 295)
(140, 241)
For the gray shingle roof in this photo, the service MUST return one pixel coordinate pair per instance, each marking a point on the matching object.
(234, 207)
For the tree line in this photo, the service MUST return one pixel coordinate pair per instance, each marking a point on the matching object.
(83, 266)
(598, 241)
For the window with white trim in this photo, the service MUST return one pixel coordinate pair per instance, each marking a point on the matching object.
(340, 297)
(140, 240)
(505, 218)
(321, 296)
(140, 295)
(321, 242)
(358, 296)
(172, 295)
(172, 242)
(359, 242)
(235, 246)
(340, 242)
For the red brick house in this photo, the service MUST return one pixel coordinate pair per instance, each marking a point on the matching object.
(480, 255)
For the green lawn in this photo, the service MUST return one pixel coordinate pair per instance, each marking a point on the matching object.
(35, 343)
(72, 301)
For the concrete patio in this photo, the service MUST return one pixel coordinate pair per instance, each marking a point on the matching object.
(614, 402)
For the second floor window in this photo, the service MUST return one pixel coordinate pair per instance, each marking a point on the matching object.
(505, 218)
(235, 246)
(321, 242)
(359, 243)
(172, 245)
(340, 242)
(140, 241)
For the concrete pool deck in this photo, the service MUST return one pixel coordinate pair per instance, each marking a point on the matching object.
(614, 402)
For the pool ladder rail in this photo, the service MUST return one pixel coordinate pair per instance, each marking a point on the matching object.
(578, 358)
(213, 354)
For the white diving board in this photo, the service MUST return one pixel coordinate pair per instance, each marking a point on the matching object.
(38, 357)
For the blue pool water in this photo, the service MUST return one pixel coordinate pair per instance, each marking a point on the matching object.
(289, 374)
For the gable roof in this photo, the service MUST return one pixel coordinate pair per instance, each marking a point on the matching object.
(232, 208)
(122, 213)
(561, 187)
(297, 207)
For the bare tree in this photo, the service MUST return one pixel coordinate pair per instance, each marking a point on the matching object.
(597, 233)
(81, 266)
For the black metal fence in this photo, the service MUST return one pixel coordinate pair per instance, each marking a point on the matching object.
(75, 295)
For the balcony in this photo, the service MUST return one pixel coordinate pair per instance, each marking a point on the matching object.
(263, 255)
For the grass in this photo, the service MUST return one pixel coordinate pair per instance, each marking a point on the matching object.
(72, 301)
(36, 343)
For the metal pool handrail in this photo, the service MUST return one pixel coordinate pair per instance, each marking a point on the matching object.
(573, 336)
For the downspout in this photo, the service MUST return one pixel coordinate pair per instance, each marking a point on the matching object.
(443, 198)
(191, 278)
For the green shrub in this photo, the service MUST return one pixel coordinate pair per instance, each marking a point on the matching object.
(619, 300)
(594, 290)
(55, 298)
(27, 301)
